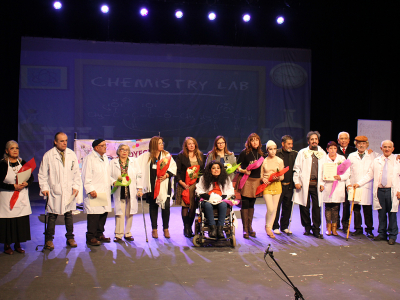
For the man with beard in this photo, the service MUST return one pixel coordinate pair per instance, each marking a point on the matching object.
(288, 156)
(307, 179)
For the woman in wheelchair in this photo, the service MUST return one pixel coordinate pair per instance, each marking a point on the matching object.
(213, 187)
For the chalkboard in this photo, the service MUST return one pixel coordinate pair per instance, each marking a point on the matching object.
(376, 131)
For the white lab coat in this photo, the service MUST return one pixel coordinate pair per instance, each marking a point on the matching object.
(135, 175)
(144, 164)
(96, 176)
(374, 172)
(359, 167)
(301, 175)
(59, 180)
(339, 194)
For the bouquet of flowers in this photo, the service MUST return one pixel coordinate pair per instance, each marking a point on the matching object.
(122, 180)
(271, 179)
(230, 169)
(162, 167)
(341, 169)
(29, 165)
(250, 167)
(192, 173)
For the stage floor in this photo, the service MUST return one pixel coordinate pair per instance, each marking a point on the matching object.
(175, 269)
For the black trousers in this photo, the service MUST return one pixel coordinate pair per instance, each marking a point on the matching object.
(286, 202)
(316, 211)
(367, 210)
(51, 226)
(95, 225)
(165, 213)
(346, 212)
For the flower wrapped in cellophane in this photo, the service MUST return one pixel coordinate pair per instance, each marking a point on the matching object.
(192, 173)
(250, 167)
(122, 180)
(162, 167)
(230, 168)
(271, 179)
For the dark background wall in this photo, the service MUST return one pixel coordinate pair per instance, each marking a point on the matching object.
(355, 46)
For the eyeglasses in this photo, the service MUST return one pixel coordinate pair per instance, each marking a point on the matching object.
(223, 143)
(125, 150)
(161, 143)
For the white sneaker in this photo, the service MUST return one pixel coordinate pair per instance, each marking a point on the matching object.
(287, 231)
(277, 231)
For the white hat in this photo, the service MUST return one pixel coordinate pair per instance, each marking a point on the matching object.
(270, 143)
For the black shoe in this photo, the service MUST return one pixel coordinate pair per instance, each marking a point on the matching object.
(220, 232)
(318, 235)
(212, 233)
(338, 226)
(307, 232)
(345, 228)
(380, 238)
(369, 234)
(357, 232)
(187, 231)
(391, 242)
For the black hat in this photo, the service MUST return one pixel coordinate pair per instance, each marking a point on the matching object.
(96, 142)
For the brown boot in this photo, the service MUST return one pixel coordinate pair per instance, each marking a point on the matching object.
(245, 221)
(166, 234)
(251, 214)
(49, 245)
(72, 243)
(329, 228)
(154, 234)
(334, 227)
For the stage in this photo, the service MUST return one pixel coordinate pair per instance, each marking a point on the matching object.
(175, 269)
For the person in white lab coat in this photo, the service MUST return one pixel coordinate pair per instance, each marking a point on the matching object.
(60, 179)
(332, 203)
(97, 181)
(125, 201)
(385, 172)
(306, 169)
(361, 161)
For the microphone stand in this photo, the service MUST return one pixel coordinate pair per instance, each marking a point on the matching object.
(297, 293)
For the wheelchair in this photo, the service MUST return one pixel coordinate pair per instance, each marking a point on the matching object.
(201, 226)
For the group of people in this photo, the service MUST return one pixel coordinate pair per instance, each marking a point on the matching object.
(60, 180)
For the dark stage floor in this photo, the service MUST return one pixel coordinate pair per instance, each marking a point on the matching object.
(174, 269)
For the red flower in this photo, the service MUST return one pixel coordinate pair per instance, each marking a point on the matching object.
(127, 178)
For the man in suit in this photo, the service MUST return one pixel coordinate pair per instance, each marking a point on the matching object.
(344, 149)
(288, 156)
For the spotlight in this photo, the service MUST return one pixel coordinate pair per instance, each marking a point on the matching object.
(246, 17)
(212, 16)
(144, 12)
(280, 20)
(57, 5)
(178, 14)
(105, 9)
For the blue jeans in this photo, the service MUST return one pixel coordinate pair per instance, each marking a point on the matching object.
(208, 211)
(385, 200)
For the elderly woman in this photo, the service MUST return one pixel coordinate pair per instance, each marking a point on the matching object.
(125, 201)
(221, 153)
(14, 223)
(273, 191)
(148, 166)
(213, 187)
(332, 203)
(189, 156)
(250, 154)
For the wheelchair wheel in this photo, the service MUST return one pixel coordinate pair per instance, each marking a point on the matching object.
(196, 240)
(233, 241)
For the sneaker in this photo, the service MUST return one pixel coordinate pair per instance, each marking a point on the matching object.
(277, 231)
(49, 245)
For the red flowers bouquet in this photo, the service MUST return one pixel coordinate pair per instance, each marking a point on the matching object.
(162, 167)
(192, 173)
(29, 165)
(271, 179)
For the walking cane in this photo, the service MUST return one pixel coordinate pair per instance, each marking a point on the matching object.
(45, 225)
(290, 220)
(351, 213)
(144, 220)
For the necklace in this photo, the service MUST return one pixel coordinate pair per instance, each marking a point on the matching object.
(255, 159)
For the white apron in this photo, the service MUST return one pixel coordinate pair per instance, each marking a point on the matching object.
(22, 207)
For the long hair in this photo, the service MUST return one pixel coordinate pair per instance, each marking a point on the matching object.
(8, 145)
(248, 147)
(208, 177)
(197, 152)
(153, 148)
(213, 152)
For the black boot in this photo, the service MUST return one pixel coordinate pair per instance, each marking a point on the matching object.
(187, 231)
(212, 233)
(220, 232)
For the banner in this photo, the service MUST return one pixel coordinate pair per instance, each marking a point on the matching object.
(137, 147)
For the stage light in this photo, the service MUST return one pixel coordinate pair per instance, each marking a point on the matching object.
(57, 5)
(144, 12)
(212, 16)
(104, 9)
(178, 14)
(280, 20)
(246, 17)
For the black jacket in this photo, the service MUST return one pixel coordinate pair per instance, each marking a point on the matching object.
(349, 150)
(292, 159)
(182, 163)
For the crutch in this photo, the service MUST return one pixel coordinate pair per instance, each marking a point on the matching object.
(351, 213)
(144, 219)
(45, 225)
(290, 220)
